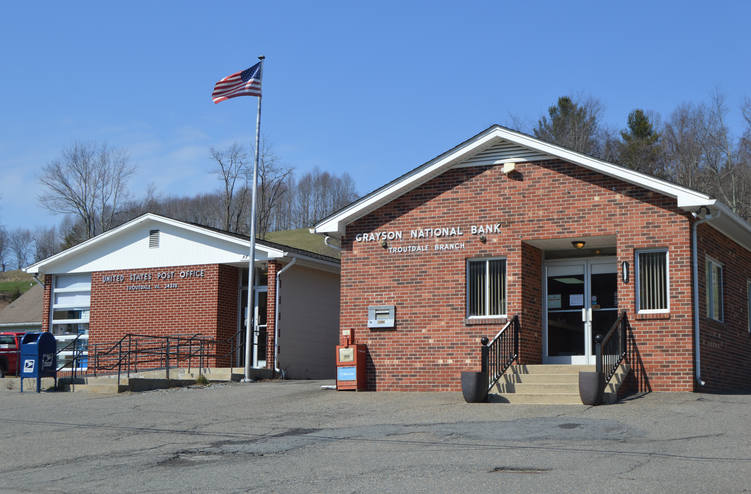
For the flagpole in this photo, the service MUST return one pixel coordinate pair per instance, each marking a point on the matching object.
(250, 319)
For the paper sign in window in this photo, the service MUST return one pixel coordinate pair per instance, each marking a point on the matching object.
(576, 300)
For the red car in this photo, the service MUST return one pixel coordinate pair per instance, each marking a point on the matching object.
(10, 350)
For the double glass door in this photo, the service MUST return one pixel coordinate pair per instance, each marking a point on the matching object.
(581, 302)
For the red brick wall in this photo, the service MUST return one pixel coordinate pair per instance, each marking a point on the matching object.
(274, 268)
(725, 346)
(205, 304)
(47, 303)
(432, 342)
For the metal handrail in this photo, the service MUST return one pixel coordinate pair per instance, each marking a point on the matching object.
(499, 354)
(611, 349)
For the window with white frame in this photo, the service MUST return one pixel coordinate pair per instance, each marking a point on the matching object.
(748, 303)
(652, 281)
(486, 287)
(71, 295)
(713, 278)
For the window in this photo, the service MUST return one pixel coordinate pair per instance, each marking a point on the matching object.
(486, 290)
(652, 284)
(714, 290)
(71, 295)
(748, 304)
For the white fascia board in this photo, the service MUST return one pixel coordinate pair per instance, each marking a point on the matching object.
(731, 225)
(335, 225)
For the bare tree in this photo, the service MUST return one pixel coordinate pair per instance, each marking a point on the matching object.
(89, 180)
(4, 243)
(272, 176)
(22, 244)
(231, 167)
(46, 243)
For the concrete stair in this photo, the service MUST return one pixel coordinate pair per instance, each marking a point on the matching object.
(549, 384)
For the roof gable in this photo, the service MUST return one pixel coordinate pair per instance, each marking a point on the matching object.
(128, 247)
(498, 145)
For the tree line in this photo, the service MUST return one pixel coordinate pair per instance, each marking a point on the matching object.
(693, 146)
(88, 185)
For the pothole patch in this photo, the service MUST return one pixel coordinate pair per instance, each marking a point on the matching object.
(520, 470)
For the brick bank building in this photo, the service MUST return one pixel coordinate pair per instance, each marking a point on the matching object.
(161, 277)
(507, 225)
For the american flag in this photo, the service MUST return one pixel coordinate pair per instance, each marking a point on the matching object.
(245, 83)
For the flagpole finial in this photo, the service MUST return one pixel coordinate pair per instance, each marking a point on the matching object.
(261, 57)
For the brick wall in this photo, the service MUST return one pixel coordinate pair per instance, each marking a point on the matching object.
(203, 300)
(273, 269)
(433, 342)
(725, 345)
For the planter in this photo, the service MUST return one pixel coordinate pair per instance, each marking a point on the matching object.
(475, 386)
(591, 387)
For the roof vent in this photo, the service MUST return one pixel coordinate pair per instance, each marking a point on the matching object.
(153, 239)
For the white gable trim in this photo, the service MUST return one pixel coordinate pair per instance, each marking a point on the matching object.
(236, 247)
(336, 224)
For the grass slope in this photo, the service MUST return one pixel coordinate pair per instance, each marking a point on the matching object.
(303, 239)
(13, 284)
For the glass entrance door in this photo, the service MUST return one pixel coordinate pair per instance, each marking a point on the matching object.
(581, 302)
(259, 330)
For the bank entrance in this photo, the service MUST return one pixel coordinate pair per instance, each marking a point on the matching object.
(581, 301)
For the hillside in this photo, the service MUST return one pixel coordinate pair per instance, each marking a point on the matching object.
(303, 239)
(13, 284)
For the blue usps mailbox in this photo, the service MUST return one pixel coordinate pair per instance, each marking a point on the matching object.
(38, 357)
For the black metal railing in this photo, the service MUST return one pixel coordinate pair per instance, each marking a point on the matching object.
(145, 352)
(611, 348)
(500, 353)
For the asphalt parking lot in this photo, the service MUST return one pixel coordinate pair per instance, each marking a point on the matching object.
(293, 436)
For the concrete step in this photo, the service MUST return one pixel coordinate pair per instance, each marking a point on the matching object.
(537, 398)
(550, 369)
(550, 384)
(540, 378)
(547, 388)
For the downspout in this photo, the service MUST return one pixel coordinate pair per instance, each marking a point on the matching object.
(276, 315)
(36, 278)
(695, 268)
(326, 242)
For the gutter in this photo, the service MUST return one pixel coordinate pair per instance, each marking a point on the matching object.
(276, 316)
(695, 269)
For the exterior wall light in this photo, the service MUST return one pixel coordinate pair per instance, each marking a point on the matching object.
(624, 271)
(483, 239)
(578, 244)
(384, 244)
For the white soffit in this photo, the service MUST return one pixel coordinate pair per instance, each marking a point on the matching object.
(601, 241)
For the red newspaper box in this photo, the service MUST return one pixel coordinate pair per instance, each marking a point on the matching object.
(350, 366)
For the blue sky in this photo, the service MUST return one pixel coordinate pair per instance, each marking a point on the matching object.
(373, 89)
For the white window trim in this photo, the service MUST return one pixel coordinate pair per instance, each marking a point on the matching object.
(709, 296)
(637, 278)
(748, 304)
(487, 260)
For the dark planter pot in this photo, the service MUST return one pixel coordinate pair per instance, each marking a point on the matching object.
(591, 387)
(475, 386)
